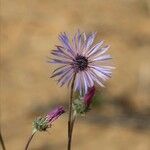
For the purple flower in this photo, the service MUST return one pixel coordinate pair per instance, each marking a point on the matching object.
(53, 115)
(80, 56)
(88, 96)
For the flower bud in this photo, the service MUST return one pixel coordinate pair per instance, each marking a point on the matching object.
(81, 105)
(43, 123)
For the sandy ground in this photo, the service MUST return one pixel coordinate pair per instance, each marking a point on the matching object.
(29, 30)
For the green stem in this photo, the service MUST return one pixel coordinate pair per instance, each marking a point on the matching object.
(70, 115)
(29, 140)
(2, 142)
(73, 121)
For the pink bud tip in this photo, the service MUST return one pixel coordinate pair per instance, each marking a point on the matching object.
(88, 96)
(53, 115)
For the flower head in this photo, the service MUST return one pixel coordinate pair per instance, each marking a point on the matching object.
(80, 56)
(43, 123)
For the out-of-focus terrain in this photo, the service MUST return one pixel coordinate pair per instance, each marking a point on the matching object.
(120, 118)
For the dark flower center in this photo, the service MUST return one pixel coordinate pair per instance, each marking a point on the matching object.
(80, 63)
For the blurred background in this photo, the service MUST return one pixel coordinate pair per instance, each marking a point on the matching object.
(120, 115)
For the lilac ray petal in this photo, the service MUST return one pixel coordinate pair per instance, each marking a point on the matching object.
(81, 87)
(62, 50)
(100, 73)
(108, 71)
(69, 81)
(107, 67)
(100, 52)
(84, 43)
(60, 55)
(79, 42)
(91, 83)
(102, 58)
(90, 40)
(85, 82)
(60, 72)
(74, 43)
(95, 49)
(65, 41)
(62, 67)
(87, 79)
(104, 49)
(102, 70)
(68, 76)
(77, 82)
(57, 61)
(82, 80)
(65, 79)
(64, 74)
(96, 78)
(84, 37)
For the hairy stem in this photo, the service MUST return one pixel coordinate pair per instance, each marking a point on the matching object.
(29, 140)
(70, 115)
(2, 142)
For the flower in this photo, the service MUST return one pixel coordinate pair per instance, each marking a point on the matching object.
(79, 56)
(43, 123)
(89, 96)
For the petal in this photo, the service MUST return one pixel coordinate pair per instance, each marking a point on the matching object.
(60, 72)
(96, 78)
(77, 82)
(85, 82)
(64, 79)
(90, 40)
(58, 61)
(107, 67)
(62, 67)
(60, 55)
(63, 37)
(63, 51)
(100, 74)
(79, 41)
(102, 58)
(95, 49)
(99, 52)
(91, 83)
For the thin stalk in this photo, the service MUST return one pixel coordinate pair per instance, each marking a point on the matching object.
(2, 142)
(70, 114)
(29, 140)
(72, 124)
